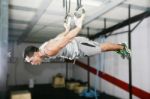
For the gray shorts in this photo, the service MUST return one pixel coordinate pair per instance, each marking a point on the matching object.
(87, 47)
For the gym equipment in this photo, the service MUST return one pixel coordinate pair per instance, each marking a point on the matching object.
(80, 89)
(58, 81)
(79, 12)
(70, 17)
(89, 93)
(72, 85)
(21, 95)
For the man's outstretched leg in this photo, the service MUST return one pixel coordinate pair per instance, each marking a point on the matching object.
(121, 49)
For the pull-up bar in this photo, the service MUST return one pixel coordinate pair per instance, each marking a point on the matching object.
(122, 24)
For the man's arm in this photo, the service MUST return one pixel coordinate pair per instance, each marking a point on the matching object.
(67, 28)
(73, 33)
(55, 45)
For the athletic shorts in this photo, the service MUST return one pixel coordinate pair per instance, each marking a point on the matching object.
(87, 47)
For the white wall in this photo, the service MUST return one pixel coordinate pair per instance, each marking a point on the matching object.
(115, 66)
(20, 72)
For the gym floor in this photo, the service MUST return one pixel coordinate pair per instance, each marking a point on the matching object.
(46, 91)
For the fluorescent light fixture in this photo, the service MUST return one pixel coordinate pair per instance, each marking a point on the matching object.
(95, 3)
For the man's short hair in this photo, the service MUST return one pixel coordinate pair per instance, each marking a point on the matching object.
(29, 51)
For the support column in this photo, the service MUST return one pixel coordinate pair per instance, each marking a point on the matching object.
(88, 62)
(3, 43)
(130, 61)
(66, 73)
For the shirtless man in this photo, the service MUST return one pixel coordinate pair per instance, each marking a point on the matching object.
(70, 46)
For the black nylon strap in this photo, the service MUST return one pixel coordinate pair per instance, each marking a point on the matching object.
(87, 44)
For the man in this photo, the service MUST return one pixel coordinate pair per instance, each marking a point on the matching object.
(67, 45)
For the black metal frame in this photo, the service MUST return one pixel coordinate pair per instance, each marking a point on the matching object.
(88, 62)
(129, 44)
(122, 24)
(66, 73)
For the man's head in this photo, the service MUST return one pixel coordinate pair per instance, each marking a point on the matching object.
(31, 55)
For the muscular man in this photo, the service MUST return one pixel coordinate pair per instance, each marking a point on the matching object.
(70, 46)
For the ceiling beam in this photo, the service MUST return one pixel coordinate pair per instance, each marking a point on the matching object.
(38, 39)
(15, 30)
(13, 38)
(54, 26)
(27, 22)
(135, 7)
(18, 21)
(103, 9)
(122, 24)
(110, 20)
(100, 18)
(22, 8)
(41, 10)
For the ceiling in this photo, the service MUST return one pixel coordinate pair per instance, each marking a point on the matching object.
(36, 21)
